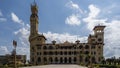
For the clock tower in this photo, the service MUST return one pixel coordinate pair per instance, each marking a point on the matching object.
(34, 20)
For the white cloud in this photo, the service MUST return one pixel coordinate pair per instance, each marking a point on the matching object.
(92, 20)
(1, 13)
(60, 38)
(16, 19)
(23, 34)
(73, 20)
(112, 32)
(23, 51)
(3, 19)
(74, 6)
(94, 11)
(3, 50)
(112, 37)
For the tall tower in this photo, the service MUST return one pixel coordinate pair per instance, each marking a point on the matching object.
(35, 39)
(34, 20)
(99, 33)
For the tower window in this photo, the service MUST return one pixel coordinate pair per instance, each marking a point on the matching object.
(99, 39)
(39, 39)
(80, 46)
(86, 47)
(45, 47)
(51, 47)
(93, 47)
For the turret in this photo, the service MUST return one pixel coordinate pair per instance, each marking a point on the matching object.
(34, 20)
(99, 33)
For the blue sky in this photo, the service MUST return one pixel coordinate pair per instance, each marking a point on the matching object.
(59, 20)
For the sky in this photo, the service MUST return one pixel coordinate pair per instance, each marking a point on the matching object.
(59, 20)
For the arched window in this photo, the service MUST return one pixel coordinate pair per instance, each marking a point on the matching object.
(56, 53)
(61, 53)
(75, 52)
(86, 47)
(61, 60)
(33, 49)
(50, 59)
(51, 47)
(75, 59)
(80, 47)
(32, 59)
(93, 47)
(80, 58)
(39, 59)
(69, 53)
(93, 59)
(56, 59)
(65, 53)
(45, 59)
(65, 59)
(50, 53)
(86, 52)
(45, 53)
(44, 47)
(86, 59)
(70, 60)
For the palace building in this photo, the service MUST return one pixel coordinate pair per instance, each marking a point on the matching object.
(64, 53)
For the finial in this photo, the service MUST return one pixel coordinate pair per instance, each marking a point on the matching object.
(34, 2)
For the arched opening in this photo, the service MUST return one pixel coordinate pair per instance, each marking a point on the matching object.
(56, 60)
(32, 59)
(45, 59)
(93, 47)
(50, 59)
(61, 60)
(86, 52)
(61, 53)
(74, 59)
(80, 47)
(81, 58)
(70, 60)
(86, 59)
(65, 59)
(51, 47)
(39, 59)
(44, 47)
(50, 53)
(93, 60)
(86, 47)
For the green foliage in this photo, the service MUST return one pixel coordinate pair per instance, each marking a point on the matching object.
(82, 64)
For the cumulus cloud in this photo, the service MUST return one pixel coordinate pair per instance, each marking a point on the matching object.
(1, 17)
(16, 19)
(73, 20)
(3, 50)
(23, 51)
(112, 35)
(74, 6)
(23, 34)
(1, 13)
(60, 38)
(92, 20)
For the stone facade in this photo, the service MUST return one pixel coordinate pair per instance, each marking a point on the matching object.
(67, 52)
